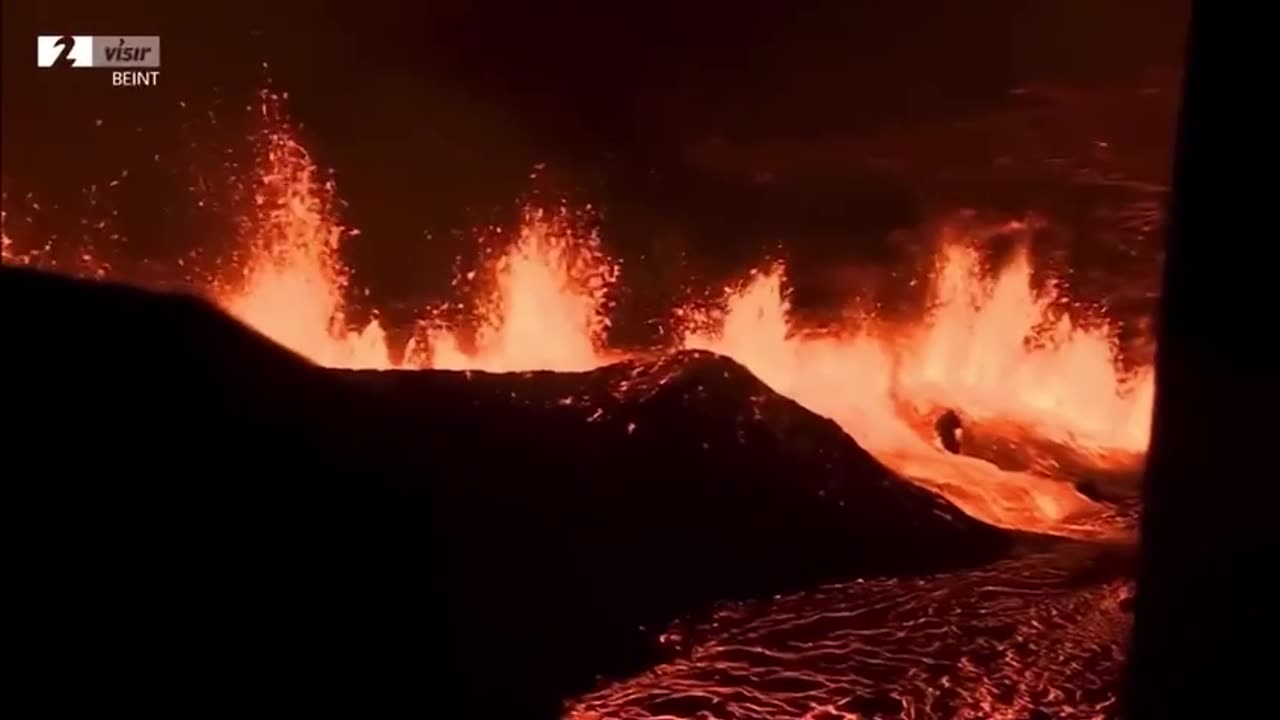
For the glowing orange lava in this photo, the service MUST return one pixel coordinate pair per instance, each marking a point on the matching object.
(980, 349)
(292, 288)
(992, 348)
(547, 306)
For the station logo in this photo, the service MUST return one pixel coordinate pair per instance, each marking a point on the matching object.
(121, 54)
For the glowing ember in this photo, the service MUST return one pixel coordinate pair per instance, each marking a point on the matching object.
(6, 251)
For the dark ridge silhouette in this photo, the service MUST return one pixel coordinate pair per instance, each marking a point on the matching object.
(1204, 625)
(201, 522)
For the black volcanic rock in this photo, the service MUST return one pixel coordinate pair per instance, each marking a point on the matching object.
(200, 520)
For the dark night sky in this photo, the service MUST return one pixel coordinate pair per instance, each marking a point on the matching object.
(432, 114)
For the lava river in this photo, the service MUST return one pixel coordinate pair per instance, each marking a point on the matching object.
(1030, 638)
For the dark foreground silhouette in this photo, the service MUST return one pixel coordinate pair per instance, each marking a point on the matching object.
(201, 523)
(1204, 629)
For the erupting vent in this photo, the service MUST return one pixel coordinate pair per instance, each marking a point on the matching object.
(997, 350)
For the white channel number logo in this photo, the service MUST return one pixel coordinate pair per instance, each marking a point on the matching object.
(64, 50)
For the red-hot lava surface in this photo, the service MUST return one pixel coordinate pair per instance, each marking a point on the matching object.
(1034, 637)
(1045, 396)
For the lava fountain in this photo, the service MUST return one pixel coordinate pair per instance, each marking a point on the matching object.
(546, 307)
(991, 347)
(292, 287)
(997, 350)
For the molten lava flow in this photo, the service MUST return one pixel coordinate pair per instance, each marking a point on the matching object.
(1024, 638)
(546, 307)
(984, 350)
(981, 349)
(292, 286)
